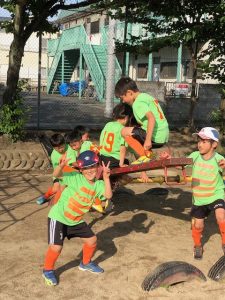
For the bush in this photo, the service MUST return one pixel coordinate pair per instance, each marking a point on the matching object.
(13, 118)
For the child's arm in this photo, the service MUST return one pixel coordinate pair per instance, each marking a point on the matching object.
(58, 171)
(222, 163)
(151, 124)
(106, 175)
(122, 156)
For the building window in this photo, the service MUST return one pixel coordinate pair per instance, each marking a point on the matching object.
(168, 70)
(188, 70)
(67, 26)
(142, 71)
(106, 22)
(95, 27)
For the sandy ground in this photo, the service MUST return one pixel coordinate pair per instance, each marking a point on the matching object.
(142, 232)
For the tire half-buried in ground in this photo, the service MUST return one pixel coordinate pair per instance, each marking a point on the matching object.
(171, 273)
(217, 271)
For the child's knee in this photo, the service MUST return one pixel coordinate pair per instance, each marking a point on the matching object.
(56, 187)
(220, 215)
(198, 224)
(91, 241)
(56, 248)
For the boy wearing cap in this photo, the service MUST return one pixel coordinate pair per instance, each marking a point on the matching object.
(65, 218)
(207, 186)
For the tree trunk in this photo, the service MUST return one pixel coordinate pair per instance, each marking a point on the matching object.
(191, 123)
(15, 53)
(15, 58)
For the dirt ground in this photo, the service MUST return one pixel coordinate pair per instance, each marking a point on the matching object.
(143, 231)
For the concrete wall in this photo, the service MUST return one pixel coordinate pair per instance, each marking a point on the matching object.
(177, 109)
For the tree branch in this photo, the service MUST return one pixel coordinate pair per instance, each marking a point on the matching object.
(50, 9)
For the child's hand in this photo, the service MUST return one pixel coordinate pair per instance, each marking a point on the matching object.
(147, 145)
(64, 161)
(164, 155)
(123, 165)
(105, 170)
(222, 163)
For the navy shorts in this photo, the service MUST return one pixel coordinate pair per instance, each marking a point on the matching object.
(57, 231)
(114, 163)
(201, 212)
(140, 134)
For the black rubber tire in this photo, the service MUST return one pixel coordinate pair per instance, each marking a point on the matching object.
(170, 273)
(217, 271)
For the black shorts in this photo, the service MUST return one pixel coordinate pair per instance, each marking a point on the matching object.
(57, 231)
(114, 163)
(140, 134)
(201, 212)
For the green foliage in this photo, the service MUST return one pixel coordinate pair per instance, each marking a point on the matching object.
(216, 118)
(13, 118)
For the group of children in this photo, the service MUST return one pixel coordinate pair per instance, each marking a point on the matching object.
(138, 124)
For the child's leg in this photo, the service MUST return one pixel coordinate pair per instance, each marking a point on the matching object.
(51, 256)
(89, 247)
(55, 240)
(132, 142)
(197, 229)
(220, 217)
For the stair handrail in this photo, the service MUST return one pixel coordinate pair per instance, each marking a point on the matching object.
(60, 47)
(93, 64)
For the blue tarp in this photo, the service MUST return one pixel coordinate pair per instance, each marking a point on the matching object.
(66, 89)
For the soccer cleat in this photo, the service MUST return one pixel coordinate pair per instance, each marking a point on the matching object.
(198, 252)
(91, 267)
(49, 277)
(141, 160)
(41, 200)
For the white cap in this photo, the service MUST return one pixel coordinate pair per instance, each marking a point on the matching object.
(208, 133)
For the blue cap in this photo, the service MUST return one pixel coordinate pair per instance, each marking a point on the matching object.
(87, 159)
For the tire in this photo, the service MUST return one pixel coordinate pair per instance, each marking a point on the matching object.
(217, 271)
(170, 273)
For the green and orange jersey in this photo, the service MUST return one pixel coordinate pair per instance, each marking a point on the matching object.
(77, 199)
(145, 103)
(73, 154)
(56, 157)
(111, 140)
(207, 179)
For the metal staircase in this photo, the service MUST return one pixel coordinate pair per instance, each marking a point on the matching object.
(66, 51)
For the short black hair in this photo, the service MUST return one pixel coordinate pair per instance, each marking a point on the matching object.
(122, 110)
(125, 84)
(73, 136)
(82, 129)
(57, 139)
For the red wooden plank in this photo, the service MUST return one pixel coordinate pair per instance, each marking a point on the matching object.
(152, 165)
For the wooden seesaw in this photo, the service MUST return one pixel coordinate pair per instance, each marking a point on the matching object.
(164, 164)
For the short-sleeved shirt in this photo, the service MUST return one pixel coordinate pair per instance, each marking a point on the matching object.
(145, 103)
(73, 154)
(56, 156)
(77, 199)
(207, 179)
(111, 140)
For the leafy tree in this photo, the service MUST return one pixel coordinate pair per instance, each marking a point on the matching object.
(169, 23)
(29, 17)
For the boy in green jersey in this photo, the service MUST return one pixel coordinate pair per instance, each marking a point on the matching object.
(207, 186)
(112, 144)
(65, 218)
(153, 131)
(59, 149)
